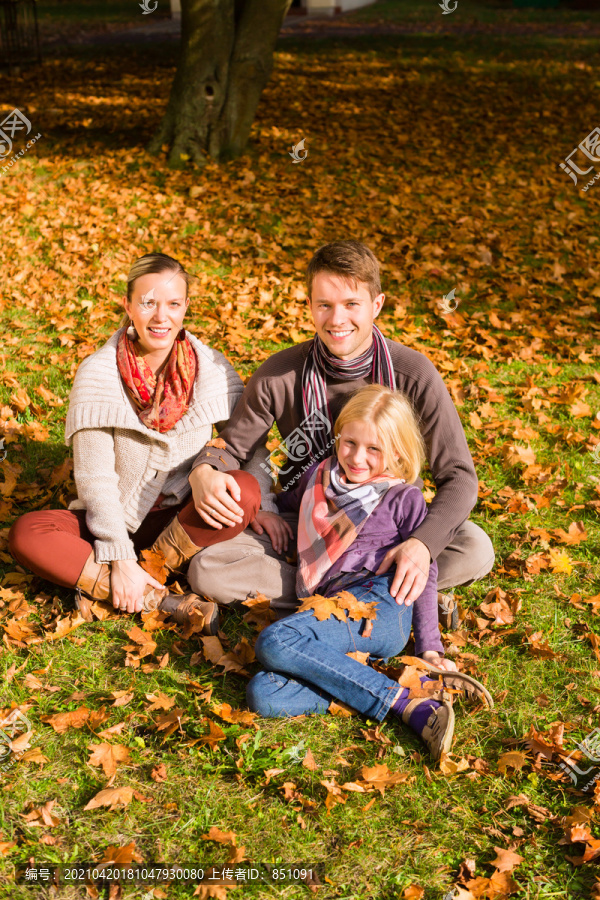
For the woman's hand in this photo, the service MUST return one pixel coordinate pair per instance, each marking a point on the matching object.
(440, 662)
(216, 496)
(128, 585)
(277, 528)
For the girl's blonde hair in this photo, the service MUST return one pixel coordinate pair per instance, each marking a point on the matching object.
(397, 428)
(153, 264)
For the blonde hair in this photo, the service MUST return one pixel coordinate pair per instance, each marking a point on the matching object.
(397, 427)
(153, 264)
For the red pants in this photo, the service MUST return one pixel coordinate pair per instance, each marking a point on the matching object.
(55, 543)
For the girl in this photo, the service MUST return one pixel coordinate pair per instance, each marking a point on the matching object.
(352, 511)
(141, 409)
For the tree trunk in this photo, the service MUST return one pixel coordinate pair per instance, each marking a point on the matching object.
(226, 60)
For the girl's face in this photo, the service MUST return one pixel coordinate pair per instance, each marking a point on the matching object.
(158, 305)
(359, 452)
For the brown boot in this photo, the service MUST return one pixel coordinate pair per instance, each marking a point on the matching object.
(176, 545)
(94, 584)
(186, 608)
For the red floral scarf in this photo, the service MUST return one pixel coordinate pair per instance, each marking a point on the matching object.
(162, 401)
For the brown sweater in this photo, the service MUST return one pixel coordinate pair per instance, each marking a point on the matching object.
(274, 393)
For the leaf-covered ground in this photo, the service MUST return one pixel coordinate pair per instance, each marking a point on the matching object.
(441, 152)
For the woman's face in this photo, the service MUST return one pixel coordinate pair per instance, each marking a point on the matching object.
(359, 452)
(157, 309)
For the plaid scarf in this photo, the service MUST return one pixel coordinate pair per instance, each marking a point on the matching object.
(320, 364)
(162, 401)
(332, 513)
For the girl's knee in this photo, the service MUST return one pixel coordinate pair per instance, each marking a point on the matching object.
(271, 647)
(261, 691)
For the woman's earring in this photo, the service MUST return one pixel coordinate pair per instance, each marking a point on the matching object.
(181, 335)
(131, 332)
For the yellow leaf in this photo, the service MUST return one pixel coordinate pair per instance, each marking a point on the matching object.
(560, 563)
(323, 608)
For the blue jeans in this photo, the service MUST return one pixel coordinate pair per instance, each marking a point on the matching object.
(306, 664)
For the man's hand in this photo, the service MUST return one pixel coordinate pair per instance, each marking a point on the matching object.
(412, 570)
(277, 528)
(128, 585)
(215, 496)
(440, 662)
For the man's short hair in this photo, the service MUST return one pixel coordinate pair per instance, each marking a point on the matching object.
(350, 260)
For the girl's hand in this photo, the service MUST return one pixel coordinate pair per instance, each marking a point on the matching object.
(128, 585)
(440, 662)
(277, 528)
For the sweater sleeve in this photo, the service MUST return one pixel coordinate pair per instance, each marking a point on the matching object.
(448, 453)
(425, 625)
(98, 492)
(259, 467)
(411, 513)
(247, 428)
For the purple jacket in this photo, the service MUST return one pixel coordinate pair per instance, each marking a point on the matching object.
(399, 513)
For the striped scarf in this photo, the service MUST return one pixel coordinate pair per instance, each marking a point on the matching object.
(332, 514)
(320, 364)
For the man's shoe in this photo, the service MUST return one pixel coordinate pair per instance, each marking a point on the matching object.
(187, 608)
(448, 612)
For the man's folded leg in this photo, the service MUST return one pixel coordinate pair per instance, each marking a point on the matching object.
(467, 558)
(245, 566)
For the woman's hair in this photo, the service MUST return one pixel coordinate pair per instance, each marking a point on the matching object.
(396, 424)
(350, 260)
(153, 264)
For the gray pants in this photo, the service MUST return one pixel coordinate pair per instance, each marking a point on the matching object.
(247, 565)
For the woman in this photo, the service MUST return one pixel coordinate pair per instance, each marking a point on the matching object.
(141, 409)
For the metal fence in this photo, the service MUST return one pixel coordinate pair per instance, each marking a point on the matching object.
(19, 35)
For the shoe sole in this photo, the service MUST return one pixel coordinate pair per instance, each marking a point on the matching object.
(447, 742)
(460, 676)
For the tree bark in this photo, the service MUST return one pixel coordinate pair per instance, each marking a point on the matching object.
(226, 60)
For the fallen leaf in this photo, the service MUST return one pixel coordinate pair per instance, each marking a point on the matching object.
(108, 756)
(235, 716)
(154, 563)
(221, 837)
(514, 759)
(61, 722)
(309, 761)
(506, 860)
(111, 797)
(322, 608)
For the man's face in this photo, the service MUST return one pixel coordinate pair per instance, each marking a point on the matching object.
(343, 315)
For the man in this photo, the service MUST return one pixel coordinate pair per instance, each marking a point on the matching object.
(303, 389)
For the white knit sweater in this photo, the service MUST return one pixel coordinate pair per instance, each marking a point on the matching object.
(120, 466)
